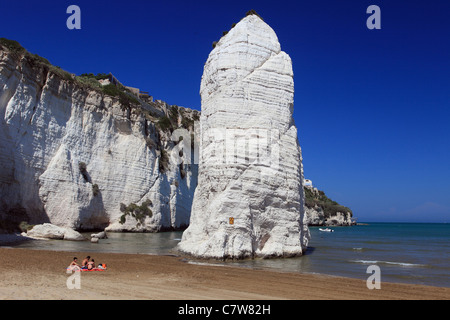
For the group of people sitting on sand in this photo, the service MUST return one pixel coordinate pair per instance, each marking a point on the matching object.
(87, 264)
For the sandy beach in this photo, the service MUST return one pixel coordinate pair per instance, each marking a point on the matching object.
(33, 274)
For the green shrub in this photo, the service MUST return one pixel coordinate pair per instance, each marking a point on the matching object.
(253, 12)
(38, 59)
(99, 76)
(138, 212)
(25, 226)
(83, 170)
(12, 45)
(82, 166)
(61, 73)
(165, 124)
(173, 113)
(187, 123)
(111, 90)
(95, 190)
(125, 99)
(102, 76)
(164, 161)
(89, 82)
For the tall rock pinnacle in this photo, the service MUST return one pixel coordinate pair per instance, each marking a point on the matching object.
(249, 201)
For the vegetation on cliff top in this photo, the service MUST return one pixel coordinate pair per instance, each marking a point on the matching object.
(253, 12)
(90, 80)
(319, 199)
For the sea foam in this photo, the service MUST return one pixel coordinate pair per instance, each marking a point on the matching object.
(404, 264)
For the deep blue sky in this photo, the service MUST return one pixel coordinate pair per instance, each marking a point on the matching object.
(372, 106)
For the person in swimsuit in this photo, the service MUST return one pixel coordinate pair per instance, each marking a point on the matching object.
(91, 264)
(73, 266)
(74, 262)
(84, 264)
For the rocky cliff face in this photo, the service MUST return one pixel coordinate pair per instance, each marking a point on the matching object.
(249, 199)
(317, 217)
(322, 211)
(78, 158)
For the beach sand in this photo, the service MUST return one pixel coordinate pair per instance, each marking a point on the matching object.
(33, 274)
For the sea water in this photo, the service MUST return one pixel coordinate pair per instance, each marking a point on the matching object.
(405, 252)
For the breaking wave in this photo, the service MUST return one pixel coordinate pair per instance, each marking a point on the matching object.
(403, 264)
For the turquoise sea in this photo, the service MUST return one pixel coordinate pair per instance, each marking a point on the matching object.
(405, 252)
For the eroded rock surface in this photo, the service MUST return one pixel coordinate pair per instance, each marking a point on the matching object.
(249, 200)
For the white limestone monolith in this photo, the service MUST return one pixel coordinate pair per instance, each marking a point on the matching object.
(249, 201)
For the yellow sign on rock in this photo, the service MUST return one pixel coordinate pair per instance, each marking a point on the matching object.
(231, 219)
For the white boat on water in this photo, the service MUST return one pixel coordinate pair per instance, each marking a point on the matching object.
(326, 230)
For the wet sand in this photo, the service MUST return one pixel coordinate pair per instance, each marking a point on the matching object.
(33, 274)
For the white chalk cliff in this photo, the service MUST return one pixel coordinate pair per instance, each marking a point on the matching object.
(71, 156)
(249, 201)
